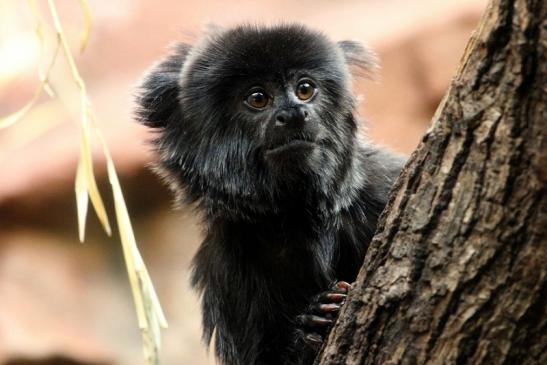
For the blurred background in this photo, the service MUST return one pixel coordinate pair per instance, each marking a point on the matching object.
(62, 302)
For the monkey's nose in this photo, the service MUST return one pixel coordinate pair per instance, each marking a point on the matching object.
(292, 116)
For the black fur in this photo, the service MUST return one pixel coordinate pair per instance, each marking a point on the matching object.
(281, 224)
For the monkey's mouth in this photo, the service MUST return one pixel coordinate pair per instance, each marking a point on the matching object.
(299, 141)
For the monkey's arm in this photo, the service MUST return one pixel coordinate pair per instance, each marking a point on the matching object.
(380, 168)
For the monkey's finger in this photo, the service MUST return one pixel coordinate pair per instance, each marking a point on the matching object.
(329, 308)
(325, 308)
(343, 285)
(314, 340)
(313, 321)
(330, 297)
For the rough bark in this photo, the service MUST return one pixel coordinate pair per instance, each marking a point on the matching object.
(457, 272)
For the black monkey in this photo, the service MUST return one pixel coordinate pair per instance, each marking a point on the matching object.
(256, 126)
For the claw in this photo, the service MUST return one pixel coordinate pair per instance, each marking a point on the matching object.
(314, 340)
(336, 297)
(345, 286)
(321, 313)
(311, 320)
(329, 308)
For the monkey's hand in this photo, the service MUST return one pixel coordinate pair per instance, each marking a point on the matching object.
(315, 323)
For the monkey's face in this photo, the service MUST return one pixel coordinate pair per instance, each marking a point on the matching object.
(286, 113)
(261, 113)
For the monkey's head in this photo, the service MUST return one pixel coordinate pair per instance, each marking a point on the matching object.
(252, 118)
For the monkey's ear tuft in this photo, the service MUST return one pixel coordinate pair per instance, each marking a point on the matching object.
(158, 94)
(361, 60)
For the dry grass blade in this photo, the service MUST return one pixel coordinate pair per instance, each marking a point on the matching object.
(213, 346)
(143, 289)
(82, 199)
(149, 312)
(85, 151)
(39, 30)
(154, 317)
(86, 164)
(19, 114)
(84, 37)
(44, 75)
(150, 315)
(66, 48)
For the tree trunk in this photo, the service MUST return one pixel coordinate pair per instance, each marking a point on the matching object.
(457, 272)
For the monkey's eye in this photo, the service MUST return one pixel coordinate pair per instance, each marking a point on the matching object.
(305, 90)
(257, 99)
